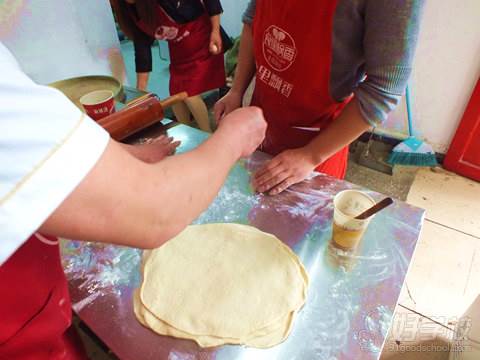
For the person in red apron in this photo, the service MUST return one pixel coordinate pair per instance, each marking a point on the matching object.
(36, 311)
(192, 30)
(289, 47)
(292, 86)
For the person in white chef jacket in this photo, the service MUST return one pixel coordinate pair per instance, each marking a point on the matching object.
(56, 167)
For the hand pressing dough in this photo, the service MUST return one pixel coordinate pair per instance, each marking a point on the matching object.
(222, 283)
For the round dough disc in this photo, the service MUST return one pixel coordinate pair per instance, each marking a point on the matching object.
(267, 337)
(223, 280)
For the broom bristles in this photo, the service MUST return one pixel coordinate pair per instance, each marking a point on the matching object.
(413, 152)
(412, 159)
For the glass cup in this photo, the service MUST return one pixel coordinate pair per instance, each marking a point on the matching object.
(348, 231)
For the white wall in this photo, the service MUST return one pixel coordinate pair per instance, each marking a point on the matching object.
(447, 68)
(57, 39)
(232, 16)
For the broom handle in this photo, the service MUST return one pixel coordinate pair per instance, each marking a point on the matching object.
(409, 111)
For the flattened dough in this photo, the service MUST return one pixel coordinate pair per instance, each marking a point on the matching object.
(222, 283)
(267, 337)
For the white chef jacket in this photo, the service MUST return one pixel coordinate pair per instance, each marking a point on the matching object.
(47, 146)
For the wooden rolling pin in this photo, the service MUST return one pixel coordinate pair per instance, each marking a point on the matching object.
(138, 115)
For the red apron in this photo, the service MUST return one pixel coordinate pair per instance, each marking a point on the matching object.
(35, 311)
(192, 67)
(293, 73)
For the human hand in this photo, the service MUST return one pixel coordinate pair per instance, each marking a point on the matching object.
(154, 150)
(246, 128)
(215, 45)
(230, 102)
(287, 168)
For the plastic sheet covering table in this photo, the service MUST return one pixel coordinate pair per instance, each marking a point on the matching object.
(350, 305)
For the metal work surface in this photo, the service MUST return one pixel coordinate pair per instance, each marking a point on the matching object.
(349, 307)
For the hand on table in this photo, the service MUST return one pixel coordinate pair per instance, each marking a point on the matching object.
(246, 128)
(215, 45)
(230, 102)
(155, 150)
(287, 168)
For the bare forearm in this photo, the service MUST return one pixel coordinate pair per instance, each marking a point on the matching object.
(188, 193)
(344, 130)
(215, 21)
(142, 80)
(246, 62)
(128, 202)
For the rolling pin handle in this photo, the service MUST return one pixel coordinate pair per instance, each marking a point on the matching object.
(174, 99)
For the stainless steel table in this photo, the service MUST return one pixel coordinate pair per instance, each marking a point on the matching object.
(350, 304)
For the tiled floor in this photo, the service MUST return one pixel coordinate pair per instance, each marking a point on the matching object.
(449, 199)
(444, 278)
(442, 270)
(414, 337)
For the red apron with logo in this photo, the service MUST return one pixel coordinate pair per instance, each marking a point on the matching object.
(293, 53)
(192, 67)
(35, 311)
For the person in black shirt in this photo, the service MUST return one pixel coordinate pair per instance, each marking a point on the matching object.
(192, 30)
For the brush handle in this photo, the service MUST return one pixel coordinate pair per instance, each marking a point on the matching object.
(408, 99)
(375, 209)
